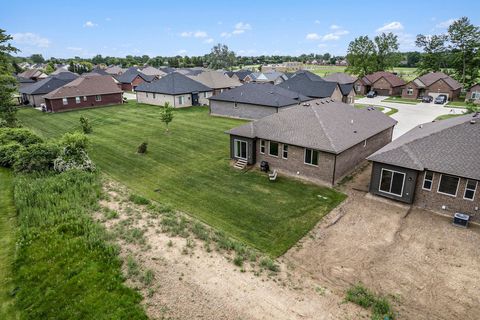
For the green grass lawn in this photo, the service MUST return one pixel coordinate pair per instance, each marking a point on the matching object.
(456, 104)
(389, 113)
(7, 245)
(188, 168)
(400, 100)
(447, 116)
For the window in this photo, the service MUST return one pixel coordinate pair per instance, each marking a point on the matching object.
(205, 94)
(262, 146)
(475, 95)
(448, 185)
(98, 98)
(273, 150)
(470, 189)
(146, 94)
(358, 88)
(410, 91)
(311, 157)
(77, 99)
(235, 106)
(240, 149)
(65, 101)
(84, 98)
(392, 182)
(285, 151)
(181, 100)
(153, 95)
(427, 180)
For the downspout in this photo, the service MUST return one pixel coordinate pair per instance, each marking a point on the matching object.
(334, 170)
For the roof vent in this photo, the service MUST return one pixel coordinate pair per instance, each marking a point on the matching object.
(473, 121)
(351, 121)
(420, 126)
(306, 104)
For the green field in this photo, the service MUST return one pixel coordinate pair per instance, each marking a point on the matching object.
(406, 73)
(188, 168)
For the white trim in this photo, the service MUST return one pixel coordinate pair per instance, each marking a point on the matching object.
(98, 97)
(278, 149)
(440, 182)
(474, 190)
(264, 146)
(283, 151)
(391, 181)
(431, 181)
(305, 154)
(78, 100)
(235, 149)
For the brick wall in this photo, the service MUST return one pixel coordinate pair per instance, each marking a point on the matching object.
(159, 99)
(382, 84)
(56, 105)
(442, 87)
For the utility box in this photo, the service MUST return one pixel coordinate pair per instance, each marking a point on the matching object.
(461, 219)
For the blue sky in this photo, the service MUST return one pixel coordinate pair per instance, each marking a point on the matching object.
(118, 28)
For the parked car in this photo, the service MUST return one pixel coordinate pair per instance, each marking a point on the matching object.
(372, 94)
(441, 99)
(427, 99)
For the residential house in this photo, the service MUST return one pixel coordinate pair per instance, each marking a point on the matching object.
(60, 69)
(33, 93)
(84, 92)
(191, 71)
(176, 89)
(313, 86)
(152, 71)
(239, 75)
(254, 101)
(320, 140)
(433, 166)
(131, 78)
(473, 94)
(432, 84)
(23, 82)
(34, 74)
(216, 80)
(114, 70)
(385, 83)
(340, 78)
(272, 77)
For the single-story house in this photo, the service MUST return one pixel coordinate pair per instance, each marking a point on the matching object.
(191, 71)
(175, 88)
(432, 84)
(254, 101)
(33, 93)
(131, 78)
(23, 82)
(152, 71)
(216, 80)
(315, 87)
(433, 166)
(385, 83)
(320, 140)
(34, 74)
(84, 92)
(272, 77)
(239, 75)
(473, 94)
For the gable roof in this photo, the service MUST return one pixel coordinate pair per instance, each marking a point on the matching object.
(340, 77)
(267, 76)
(152, 71)
(99, 71)
(320, 124)
(391, 78)
(216, 80)
(430, 78)
(114, 70)
(32, 73)
(24, 80)
(49, 84)
(85, 86)
(130, 75)
(448, 146)
(190, 71)
(309, 86)
(241, 74)
(263, 94)
(173, 83)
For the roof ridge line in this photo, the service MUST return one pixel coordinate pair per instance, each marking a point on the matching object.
(323, 128)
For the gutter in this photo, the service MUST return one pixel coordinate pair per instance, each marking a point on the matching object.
(334, 170)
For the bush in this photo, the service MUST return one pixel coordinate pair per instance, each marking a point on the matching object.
(8, 153)
(136, 199)
(142, 148)
(85, 124)
(23, 136)
(381, 308)
(36, 157)
(269, 264)
(73, 156)
(74, 142)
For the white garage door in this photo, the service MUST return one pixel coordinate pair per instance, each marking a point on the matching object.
(436, 94)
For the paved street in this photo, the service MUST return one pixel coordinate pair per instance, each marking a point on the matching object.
(409, 115)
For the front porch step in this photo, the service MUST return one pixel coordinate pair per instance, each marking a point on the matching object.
(240, 164)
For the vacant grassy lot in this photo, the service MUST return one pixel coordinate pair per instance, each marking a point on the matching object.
(406, 74)
(188, 168)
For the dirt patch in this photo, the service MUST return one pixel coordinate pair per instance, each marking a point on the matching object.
(429, 267)
(182, 277)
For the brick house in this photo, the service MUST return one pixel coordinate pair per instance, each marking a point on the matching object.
(433, 166)
(321, 140)
(175, 88)
(313, 86)
(33, 93)
(473, 94)
(216, 80)
(433, 84)
(385, 83)
(132, 78)
(254, 101)
(84, 92)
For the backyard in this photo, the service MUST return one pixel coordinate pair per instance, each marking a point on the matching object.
(188, 169)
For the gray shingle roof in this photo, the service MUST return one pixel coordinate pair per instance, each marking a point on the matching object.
(241, 74)
(340, 77)
(173, 83)
(324, 125)
(216, 80)
(264, 94)
(449, 146)
(86, 86)
(129, 75)
(49, 84)
(430, 78)
(309, 86)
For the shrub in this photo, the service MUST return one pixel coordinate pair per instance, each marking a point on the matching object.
(8, 153)
(269, 264)
(85, 124)
(381, 308)
(73, 155)
(36, 157)
(142, 148)
(23, 136)
(139, 200)
(238, 260)
(148, 277)
(74, 142)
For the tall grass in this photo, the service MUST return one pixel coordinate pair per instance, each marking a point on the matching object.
(65, 268)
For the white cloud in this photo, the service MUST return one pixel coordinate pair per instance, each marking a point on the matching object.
(317, 22)
(445, 24)
(89, 24)
(392, 26)
(335, 35)
(209, 40)
(312, 36)
(240, 28)
(225, 35)
(31, 39)
(195, 34)
(182, 52)
(334, 27)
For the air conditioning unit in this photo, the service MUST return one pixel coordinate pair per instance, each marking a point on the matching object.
(461, 219)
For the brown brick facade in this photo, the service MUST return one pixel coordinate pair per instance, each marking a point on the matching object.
(130, 86)
(434, 89)
(56, 105)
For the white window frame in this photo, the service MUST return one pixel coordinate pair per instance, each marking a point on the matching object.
(98, 98)
(311, 158)
(65, 101)
(78, 100)
(283, 151)
(278, 149)
(263, 144)
(475, 95)
(440, 182)
(154, 95)
(146, 94)
(181, 100)
(205, 94)
(409, 91)
(425, 179)
(391, 181)
(84, 98)
(235, 149)
(474, 190)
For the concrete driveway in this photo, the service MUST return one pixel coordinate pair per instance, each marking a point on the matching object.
(410, 115)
